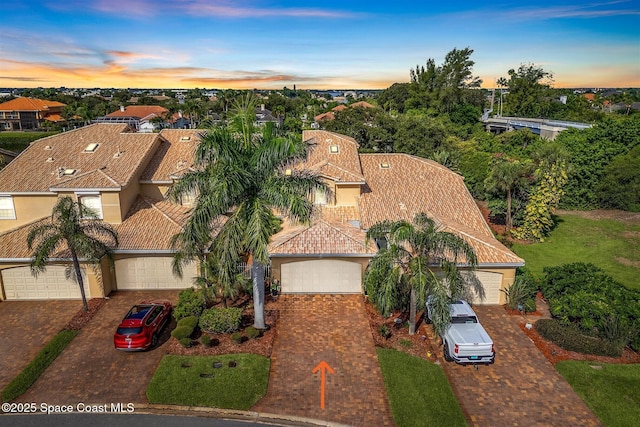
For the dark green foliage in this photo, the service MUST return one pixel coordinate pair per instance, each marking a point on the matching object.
(520, 295)
(585, 296)
(384, 331)
(591, 151)
(37, 366)
(420, 135)
(252, 333)
(190, 303)
(620, 184)
(18, 141)
(186, 342)
(205, 340)
(182, 332)
(191, 322)
(571, 339)
(236, 337)
(221, 320)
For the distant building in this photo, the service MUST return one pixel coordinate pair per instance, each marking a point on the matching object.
(138, 117)
(29, 113)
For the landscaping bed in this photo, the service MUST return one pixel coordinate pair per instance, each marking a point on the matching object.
(417, 345)
(82, 317)
(224, 344)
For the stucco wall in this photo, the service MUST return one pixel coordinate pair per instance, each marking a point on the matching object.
(29, 208)
(347, 195)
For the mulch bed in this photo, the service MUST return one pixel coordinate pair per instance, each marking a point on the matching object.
(419, 344)
(222, 343)
(82, 317)
(555, 354)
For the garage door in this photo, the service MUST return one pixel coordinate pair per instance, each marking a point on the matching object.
(151, 273)
(321, 277)
(492, 283)
(19, 284)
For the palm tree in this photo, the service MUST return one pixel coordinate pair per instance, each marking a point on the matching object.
(75, 228)
(419, 259)
(507, 176)
(241, 178)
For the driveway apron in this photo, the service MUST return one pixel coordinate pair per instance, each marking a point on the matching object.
(521, 388)
(91, 370)
(26, 327)
(333, 329)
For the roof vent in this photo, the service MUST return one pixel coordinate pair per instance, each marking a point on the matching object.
(385, 166)
(185, 138)
(181, 164)
(403, 207)
(48, 147)
(49, 160)
(334, 149)
(91, 148)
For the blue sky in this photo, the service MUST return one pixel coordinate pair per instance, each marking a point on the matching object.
(270, 44)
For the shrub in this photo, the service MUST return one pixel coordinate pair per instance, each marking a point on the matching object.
(384, 331)
(236, 337)
(190, 321)
(519, 292)
(406, 343)
(190, 303)
(529, 305)
(252, 333)
(182, 332)
(186, 342)
(571, 339)
(205, 340)
(221, 320)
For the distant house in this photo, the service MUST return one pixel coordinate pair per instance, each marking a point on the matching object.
(330, 115)
(264, 116)
(138, 117)
(29, 113)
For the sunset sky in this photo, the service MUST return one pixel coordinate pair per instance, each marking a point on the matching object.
(270, 44)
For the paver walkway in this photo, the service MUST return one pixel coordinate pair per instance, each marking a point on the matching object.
(521, 388)
(91, 370)
(26, 327)
(333, 328)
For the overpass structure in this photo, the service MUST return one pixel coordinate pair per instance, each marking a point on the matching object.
(547, 129)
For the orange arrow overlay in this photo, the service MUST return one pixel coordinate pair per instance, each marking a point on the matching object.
(323, 367)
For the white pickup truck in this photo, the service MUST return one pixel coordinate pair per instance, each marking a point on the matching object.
(465, 340)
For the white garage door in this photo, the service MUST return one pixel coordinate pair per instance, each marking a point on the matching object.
(321, 277)
(19, 284)
(151, 273)
(492, 283)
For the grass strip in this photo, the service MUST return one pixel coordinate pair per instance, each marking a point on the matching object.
(194, 381)
(419, 392)
(37, 366)
(611, 391)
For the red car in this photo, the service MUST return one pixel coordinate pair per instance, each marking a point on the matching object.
(140, 328)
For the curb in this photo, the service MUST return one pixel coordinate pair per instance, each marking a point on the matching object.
(199, 411)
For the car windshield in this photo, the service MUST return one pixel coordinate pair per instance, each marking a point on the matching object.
(128, 331)
(464, 319)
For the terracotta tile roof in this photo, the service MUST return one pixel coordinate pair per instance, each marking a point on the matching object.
(36, 169)
(150, 225)
(54, 117)
(411, 185)
(340, 214)
(13, 243)
(140, 111)
(362, 104)
(324, 116)
(343, 166)
(29, 104)
(340, 107)
(321, 238)
(174, 156)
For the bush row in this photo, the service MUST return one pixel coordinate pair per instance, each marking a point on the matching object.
(571, 339)
(582, 294)
(190, 303)
(221, 320)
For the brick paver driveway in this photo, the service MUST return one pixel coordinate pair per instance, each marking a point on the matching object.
(91, 370)
(26, 327)
(521, 388)
(333, 328)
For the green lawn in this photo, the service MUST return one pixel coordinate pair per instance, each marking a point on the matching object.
(230, 388)
(612, 392)
(612, 245)
(418, 390)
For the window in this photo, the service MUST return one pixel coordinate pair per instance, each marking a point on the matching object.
(91, 202)
(91, 148)
(7, 211)
(320, 197)
(334, 149)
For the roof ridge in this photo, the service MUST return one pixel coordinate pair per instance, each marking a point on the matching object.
(500, 248)
(20, 227)
(153, 205)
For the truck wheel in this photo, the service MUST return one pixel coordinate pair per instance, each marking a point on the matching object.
(447, 356)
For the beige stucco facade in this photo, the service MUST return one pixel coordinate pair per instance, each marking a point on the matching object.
(347, 194)
(28, 208)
